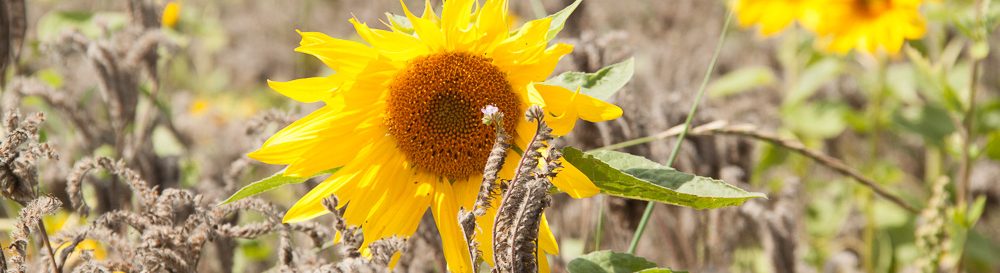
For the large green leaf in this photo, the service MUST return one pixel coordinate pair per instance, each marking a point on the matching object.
(271, 182)
(559, 20)
(606, 261)
(635, 177)
(601, 84)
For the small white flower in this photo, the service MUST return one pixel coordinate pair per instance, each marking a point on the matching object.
(490, 110)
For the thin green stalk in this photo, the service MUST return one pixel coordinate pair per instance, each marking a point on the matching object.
(687, 126)
(630, 143)
(968, 127)
(968, 124)
(599, 230)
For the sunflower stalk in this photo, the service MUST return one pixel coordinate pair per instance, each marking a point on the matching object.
(515, 230)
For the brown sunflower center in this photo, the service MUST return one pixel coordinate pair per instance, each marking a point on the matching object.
(872, 8)
(434, 112)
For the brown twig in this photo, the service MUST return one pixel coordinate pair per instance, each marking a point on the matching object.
(48, 246)
(746, 130)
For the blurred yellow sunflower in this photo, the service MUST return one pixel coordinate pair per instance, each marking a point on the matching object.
(63, 220)
(171, 14)
(772, 16)
(867, 25)
(402, 119)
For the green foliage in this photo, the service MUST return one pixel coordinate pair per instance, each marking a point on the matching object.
(601, 84)
(815, 120)
(813, 77)
(741, 80)
(606, 261)
(91, 24)
(271, 182)
(993, 146)
(931, 122)
(400, 22)
(559, 20)
(630, 176)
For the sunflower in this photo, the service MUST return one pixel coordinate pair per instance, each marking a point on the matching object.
(402, 121)
(773, 16)
(867, 25)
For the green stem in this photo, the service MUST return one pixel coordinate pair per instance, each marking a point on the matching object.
(687, 125)
(968, 127)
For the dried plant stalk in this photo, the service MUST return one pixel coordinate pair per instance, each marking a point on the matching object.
(490, 186)
(515, 230)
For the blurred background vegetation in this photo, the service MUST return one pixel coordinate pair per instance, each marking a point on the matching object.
(899, 120)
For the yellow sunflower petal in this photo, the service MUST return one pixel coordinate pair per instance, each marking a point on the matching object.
(293, 143)
(524, 47)
(546, 240)
(484, 232)
(546, 245)
(565, 106)
(456, 16)
(357, 174)
(491, 21)
(573, 182)
(595, 110)
(340, 55)
(307, 90)
(426, 28)
(540, 67)
(289, 143)
(335, 152)
(305, 209)
(445, 212)
(589, 108)
(400, 206)
(397, 46)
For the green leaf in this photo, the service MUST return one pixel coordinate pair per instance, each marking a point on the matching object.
(979, 50)
(630, 176)
(931, 122)
(975, 211)
(52, 25)
(815, 120)
(901, 80)
(271, 182)
(660, 270)
(992, 149)
(601, 84)
(606, 261)
(741, 80)
(400, 22)
(559, 20)
(51, 77)
(814, 77)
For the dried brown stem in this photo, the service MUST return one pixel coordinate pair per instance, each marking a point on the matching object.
(48, 246)
(515, 229)
(723, 128)
(490, 186)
